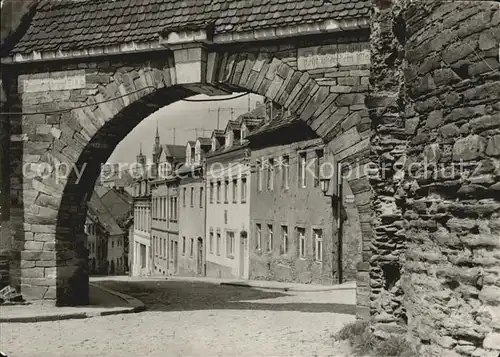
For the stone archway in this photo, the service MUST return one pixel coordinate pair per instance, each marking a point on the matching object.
(97, 93)
(84, 137)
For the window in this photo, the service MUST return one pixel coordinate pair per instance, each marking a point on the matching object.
(171, 252)
(285, 172)
(218, 191)
(284, 240)
(183, 245)
(317, 164)
(243, 189)
(270, 237)
(235, 191)
(302, 169)
(184, 197)
(270, 174)
(171, 216)
(201, 197)
(230, 244)
(226, 189)
(112, 243)
(301, 232)
(259, 175)
(191, 251)
(211, 193)
(218, 243)
(318, 245)
(258, 234)
(225, 216)
(211, 242)
(192, 196)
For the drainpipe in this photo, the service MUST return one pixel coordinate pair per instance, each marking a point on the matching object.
(340, 221)
(204, 181)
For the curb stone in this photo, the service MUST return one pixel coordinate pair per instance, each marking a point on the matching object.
(135, 306)
(245, 285)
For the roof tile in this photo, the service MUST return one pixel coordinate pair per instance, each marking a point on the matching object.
(91, 23)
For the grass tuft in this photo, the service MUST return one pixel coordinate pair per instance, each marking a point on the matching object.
(394, 346)
(364, 342)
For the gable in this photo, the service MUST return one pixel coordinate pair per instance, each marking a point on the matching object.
(163, 156)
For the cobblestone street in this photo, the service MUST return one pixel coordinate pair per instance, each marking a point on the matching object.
(194, 319)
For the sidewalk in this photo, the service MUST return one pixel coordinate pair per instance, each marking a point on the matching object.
(102, 302)
(261, 284)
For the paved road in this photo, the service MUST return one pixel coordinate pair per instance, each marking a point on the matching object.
(193, 319)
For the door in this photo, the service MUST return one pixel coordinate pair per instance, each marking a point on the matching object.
(242, 256)
(199, 264)
(176, 245)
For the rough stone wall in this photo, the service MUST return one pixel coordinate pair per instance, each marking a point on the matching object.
(381, 290)
(451, 206)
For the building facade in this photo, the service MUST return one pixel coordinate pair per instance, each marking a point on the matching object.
(96, 245)
(228, 202)
(140, 240)
(294, 233)
(141, 246)
(165, 211)
(105, 239)
(192, 210)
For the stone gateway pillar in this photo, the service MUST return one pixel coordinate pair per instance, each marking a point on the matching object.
(5, 248)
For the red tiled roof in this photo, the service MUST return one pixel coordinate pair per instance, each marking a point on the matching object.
(72, 25)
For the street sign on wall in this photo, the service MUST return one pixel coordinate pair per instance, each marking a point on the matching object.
(333, 55)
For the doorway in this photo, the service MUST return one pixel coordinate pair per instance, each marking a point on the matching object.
(199, 259)
(176, 246)
(243, 246)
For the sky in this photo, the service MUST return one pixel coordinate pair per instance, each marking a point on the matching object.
(184, 117)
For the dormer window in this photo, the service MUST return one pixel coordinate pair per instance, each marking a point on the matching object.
(229, 139)
(237, 135)
(193, 155)
(214, 144)
(243, 133)
(197, 158)
(188, 154)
